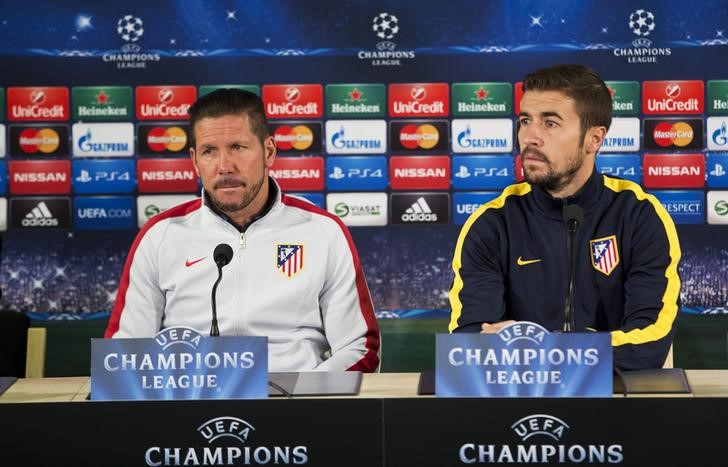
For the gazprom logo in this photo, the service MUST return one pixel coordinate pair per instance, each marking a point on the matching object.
(482, 135)
(356, 136)
(623, 135)
(717, 133)
(103, 139)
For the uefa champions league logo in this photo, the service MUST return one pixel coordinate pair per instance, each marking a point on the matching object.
(642, 22)
(130, 28)
(385, 25)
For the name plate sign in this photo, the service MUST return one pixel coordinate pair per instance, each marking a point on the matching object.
(179, 363)
(524, 360)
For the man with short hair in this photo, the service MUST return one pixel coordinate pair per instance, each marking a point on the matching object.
(511, 258)
(294, 277)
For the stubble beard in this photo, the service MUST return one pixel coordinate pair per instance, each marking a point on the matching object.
(233, 207)
(552, 180)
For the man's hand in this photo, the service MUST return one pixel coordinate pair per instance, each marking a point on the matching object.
(495, 327)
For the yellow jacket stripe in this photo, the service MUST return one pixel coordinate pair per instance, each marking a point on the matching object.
(666, 316)
(456, 306)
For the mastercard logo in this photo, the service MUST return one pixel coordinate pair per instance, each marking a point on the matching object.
(299, 137)
(668, 134)
(33, 140)
(160, 139)
(419, 136)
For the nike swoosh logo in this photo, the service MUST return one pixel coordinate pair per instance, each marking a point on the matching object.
(189, 263)
(523, 262)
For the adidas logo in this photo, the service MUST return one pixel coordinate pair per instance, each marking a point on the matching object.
(419, 212)
(40, 216)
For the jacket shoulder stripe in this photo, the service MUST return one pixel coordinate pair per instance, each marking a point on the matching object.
(176, 211)
(456, 306)
(370, 361)
(667, 314)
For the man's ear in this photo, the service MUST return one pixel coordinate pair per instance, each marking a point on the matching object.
(594, 138)
(269, 149)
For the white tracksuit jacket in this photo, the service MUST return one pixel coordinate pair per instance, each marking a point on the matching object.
(315, 308)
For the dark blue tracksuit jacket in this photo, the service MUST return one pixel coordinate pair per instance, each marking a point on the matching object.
(511, 262)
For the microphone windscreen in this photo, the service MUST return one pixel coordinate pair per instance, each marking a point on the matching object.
(573, 212)
(223, 254)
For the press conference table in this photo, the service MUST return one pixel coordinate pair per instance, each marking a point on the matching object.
(48, 421)
(704, 383)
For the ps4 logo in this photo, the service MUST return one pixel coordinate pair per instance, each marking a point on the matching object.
(619, 171)
(464, 172)
(339, 173)
(718, 171)
(103, 176)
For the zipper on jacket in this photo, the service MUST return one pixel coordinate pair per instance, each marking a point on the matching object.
(242, 239)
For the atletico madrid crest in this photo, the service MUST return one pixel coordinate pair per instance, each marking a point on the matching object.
(604, 254)
(289, 259)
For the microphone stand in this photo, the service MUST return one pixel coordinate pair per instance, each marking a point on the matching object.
(573, 216)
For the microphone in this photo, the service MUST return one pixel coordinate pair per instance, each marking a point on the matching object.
(222, 255)
(573, 217)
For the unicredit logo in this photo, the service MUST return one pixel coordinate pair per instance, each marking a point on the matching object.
(292, 94)
(418, 93)
(166, 95)
(665, 97)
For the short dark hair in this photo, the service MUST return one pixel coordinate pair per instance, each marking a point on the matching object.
(582, 84)
(230, 101)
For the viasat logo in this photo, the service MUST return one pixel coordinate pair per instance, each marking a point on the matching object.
(299, 137)
(423, 136)
(33, 140)
(161, 139)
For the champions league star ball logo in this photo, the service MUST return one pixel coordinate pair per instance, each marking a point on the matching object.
(642, 22)
(385, 25)
(130, 28)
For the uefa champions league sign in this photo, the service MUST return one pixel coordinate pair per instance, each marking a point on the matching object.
(179, 363)
(524, 360)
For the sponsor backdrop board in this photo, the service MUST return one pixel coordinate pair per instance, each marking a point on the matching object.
(396, 117)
